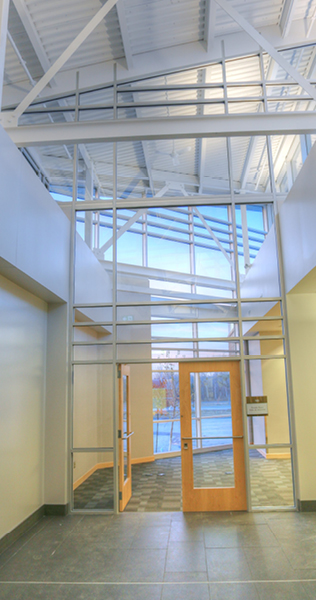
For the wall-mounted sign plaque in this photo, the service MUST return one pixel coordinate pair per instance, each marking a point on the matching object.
(257, 406)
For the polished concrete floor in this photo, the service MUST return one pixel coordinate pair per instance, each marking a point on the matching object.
(164, 556)
(157, 486)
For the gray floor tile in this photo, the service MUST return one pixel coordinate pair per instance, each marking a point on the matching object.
(282, 591)
(310, 588)
(80, 592)
(227, 564)
(195, 591)
(186, 576)
(186, 556)
(233, 591)
(186, 531)
(269, 563)
(93, 563)
(151, 537)
(236, 535)
(301, 555)
(33, 592)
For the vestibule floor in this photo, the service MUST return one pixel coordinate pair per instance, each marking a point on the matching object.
(156, 486)
(164, 556)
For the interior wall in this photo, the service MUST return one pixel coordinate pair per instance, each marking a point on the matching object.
(23, 320)
(56, 413)
(141, 411)
(297, 225)
(274, 387)
(302, 332)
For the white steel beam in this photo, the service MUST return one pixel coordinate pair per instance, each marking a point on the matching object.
(31, 31)
(4, 15)
(59, 63)
(124, 33)
(209, 26)
(123, 130)
(186, 56)
(287, 16)
(202, 142)
(265, 45)
(122, 230)
(212, 234)
(174, 276)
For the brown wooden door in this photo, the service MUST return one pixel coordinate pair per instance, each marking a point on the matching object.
(213, 464)
(125, 433)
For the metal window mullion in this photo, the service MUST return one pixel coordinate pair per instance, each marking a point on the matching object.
(242, 357)
(71, 301)
(242, 374)
(176, 201)
(95, 449)
(287, 362)
(114, 315)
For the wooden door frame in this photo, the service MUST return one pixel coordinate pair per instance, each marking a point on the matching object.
(212, 499)
(125, 486)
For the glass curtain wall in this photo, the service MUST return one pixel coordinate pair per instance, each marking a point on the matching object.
(158, 281)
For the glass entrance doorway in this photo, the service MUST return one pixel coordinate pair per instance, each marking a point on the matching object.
(212, 441)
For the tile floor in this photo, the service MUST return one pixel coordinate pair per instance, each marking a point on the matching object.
(164, 556)
(157, 486)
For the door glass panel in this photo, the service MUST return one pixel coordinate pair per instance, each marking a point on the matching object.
(93, 480)
(271, 480)
(125, 432)
(211, 417)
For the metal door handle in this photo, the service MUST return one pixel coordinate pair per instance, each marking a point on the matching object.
(125, 437)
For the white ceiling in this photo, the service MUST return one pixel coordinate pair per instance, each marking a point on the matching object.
(151, 36)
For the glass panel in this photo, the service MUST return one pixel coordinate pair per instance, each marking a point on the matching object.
(125, 431)
(93, 480)
(92, 406)
(179, 252)
(214, 469)
(262, 328)
(92, 332)
(257, 249)
(93, 282)
(249, 160)
(100, 314)
(271, 477)
(266, 378)
(165, 385)
(286, 171)
(265, 347)
(261, 309)
(93, 352)
(212, 426)
(177, 311)
(166, 407)
(175, 331)
(166, 435)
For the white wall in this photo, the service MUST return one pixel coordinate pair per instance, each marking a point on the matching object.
(297, 225)
(34, 253)
(34, 232)
(56, 421)
(302, 331)
(22, 403)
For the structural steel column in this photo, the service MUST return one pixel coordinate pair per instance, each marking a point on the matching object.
(4, 15)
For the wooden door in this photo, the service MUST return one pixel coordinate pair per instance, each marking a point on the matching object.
(213, 464)
(125, 434)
